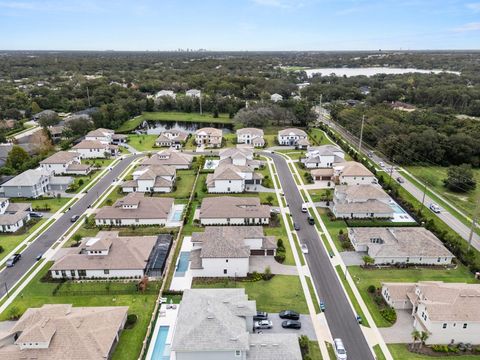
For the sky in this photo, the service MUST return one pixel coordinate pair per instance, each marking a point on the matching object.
(224, 25)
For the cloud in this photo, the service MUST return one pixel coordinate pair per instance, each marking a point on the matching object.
(282, 4)
(474, 26)
(474, 6)
(17, 5)
(53, 6)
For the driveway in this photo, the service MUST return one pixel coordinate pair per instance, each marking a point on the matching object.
(259, 263)
(401, 331)
(351, 258)
(307, 326)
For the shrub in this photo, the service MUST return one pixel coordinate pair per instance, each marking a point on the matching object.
(389, 314)
(14, 313)
(371, 289)
(280, 257)
(131, 320)
(1, 249)
(440, 348)
(267, 273)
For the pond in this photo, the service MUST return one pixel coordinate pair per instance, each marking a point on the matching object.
(371, 71)
(156, 127)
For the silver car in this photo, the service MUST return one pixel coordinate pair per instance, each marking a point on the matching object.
(263, 324)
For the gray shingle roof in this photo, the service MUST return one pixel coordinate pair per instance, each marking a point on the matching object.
(61, 157)
(233, 207)
(27, 178)
(148, 208)
(268, 346)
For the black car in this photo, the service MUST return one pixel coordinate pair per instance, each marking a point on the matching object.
(261, 315)
(35, 214)
(291, 324)
(12, 260)
(311, 220)
(74, 218)
(296, 226)
(289, 314)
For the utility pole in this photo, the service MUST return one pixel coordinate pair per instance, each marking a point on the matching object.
(88, 97)
(423, 197)
(361, 135)
(6, 290)
(474, 223)
(390, 178)
(200, 97)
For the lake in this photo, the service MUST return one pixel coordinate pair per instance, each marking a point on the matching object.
(156, 127)
(371, 71)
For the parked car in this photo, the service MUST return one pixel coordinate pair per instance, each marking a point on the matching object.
(39, 256)
(261, 315)
(13, 259)
(289, 314)
(304, 248)
(435, 208)
(291, 324)
(311, 220)
(400, 180)
(296, 226)
(331, 254)
(304, 207)
(35, 214)
(382, 164)
(340, 352)
(263, 324)
(322, 305)
(359, 319)
(74, 218)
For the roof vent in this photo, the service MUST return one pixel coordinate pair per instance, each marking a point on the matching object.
(263, 345)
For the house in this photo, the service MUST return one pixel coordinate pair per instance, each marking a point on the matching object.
(361, 201)
(400, 245)
(104, 256)
(208, 137)
(365, 90)
(44, 114)
(194, 93)
(100, 134)
(118, 139)
(13, 216)
(353, 173)
(65, 162)
(154, 178)
(293, 137)
(251, 136)
(169, 157)
(276, 97)
(222, 251)
(398, 105)
(235, 172)
(172, 138)
(218, 324)
(232, 210)
(303, 85)
(323, 174)
(324, 156)
(29, 184)
(61, 331)
(165, 93)
(56, 132)
(134, 210)
(89, 149)
(447, 312)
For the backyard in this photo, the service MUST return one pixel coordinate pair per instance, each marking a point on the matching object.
(365, 277)
(38, 293)
(401, 352)
(277, 294)
(45, 204)
(8, 242)
(142, 142)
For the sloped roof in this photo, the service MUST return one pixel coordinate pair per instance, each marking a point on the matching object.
(168, 157)
(233, 207)
(249, 130)
(148, 208)
(27, 178)
(61, 157)
(292, 132)
(353, 168)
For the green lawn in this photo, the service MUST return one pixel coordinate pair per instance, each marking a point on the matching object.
(142, 142)
(352, 297)
(85, 180)
(318, 137)
(364, 278)
(38, 293)
(280, 293)
(51, 204)
(333, 227)
(312, 294)
(113, 196)
(314, 350)
(267, 177)
(401, 352)
(230, 140)
(98, 163)
(318, 195)
(280, 233)
(302, 172)
(293, 154)
(379, 353)
(10, 241)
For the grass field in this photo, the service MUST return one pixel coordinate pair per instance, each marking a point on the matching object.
(364, 278)
(38, 293)
(434, 176)
(280, 293)
(99, 163)
(333, 227)
(401, 352)
(54, 204)
(317, 195)
(185, 180)
(10, 241)
(142, 142)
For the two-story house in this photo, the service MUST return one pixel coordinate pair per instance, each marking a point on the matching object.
(155, 178)
(251, 136)
(208, 137)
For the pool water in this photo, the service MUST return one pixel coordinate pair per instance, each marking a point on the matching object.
(182, 265)
(397, 209)
(177, 215)
(160, 351)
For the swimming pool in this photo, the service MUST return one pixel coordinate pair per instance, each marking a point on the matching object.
(160, 350)
(177, 215)
(182, 265)
(397, 209)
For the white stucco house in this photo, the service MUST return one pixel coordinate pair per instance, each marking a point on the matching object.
(228, 316)
(209, 137)
(194, 93)
(293, 137)
(224, 251)
(135, 209)
(448, 312)
(233, 210)
(361, 201)
(400, 245)
(353, 173)
(65, 162)
(165, 93)
(251, 136)
(105, 136)
(276, 97)
(324, 156)
(172, 138)
(91, 149)
(104, 256)
(13, 216)
(154, 178)
(169, 157)
(32, 183)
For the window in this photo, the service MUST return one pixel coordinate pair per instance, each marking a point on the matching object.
(444, 326)
(57, 272)
(64, 273)
(106, 272)
(465, 325)
(225, 271)
(238, 353)
(72, 273)
(226, 260)
(82, 273)
(438, 260)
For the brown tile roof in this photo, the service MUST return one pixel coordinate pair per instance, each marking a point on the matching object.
(100, 132)
(169, 158)
(148, 208)
(90, 144)
(233, 207)
(353, 168)
(292, 131)
(14, 212)
(61, 157)
(210, 131)
(252, 131)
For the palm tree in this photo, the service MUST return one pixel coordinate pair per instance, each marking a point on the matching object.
(423, 337)
(367, 260)
(415, 337)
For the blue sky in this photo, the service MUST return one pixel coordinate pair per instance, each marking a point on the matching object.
(239, 24)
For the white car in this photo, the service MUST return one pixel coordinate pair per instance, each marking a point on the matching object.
(304, 248)
(435, 208)
(340, 352)
(382, 164)
(263, 324)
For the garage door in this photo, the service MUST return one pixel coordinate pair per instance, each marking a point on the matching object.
(257, 252)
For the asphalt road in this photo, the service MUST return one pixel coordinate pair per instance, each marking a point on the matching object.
(9, 276)
(455, 224)
(339, 314)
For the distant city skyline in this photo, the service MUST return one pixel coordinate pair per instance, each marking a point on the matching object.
(236, 25)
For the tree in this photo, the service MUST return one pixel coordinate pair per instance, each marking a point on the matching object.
(367, 260)
(415, 337)
(270, 199)
(17, 158)
(423, 337)
(35, 108)
(77, 238)
(460, 178)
